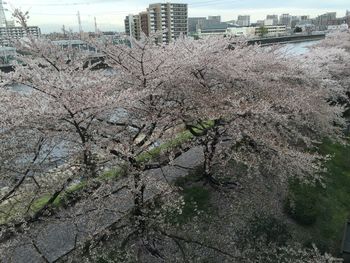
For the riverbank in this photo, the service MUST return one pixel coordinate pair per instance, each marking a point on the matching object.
(286, 39)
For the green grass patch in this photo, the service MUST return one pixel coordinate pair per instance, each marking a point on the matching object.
(324, 211)
(42, 201)
(177, 141)
(113, 173)
(155, 152)
(76, 187)
(302, 203)
(265, 229)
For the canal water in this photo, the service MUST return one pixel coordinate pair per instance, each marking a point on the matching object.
(296, 49)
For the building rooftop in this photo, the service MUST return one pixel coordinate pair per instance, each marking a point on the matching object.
(3, 49)
(69, 42)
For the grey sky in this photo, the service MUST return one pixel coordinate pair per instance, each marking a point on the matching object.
(50, 15)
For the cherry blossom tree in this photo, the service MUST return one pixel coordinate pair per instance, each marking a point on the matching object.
(245, 104)
(265, 105)
(242, 104)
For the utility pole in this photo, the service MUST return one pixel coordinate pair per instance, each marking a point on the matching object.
(64, 31)
(80, 27)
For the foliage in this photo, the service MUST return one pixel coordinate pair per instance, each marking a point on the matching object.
(263, 31)
(196, 200)
(326, 208)
(268, 229)
(303, 202)
(298, 30)
(113, 173)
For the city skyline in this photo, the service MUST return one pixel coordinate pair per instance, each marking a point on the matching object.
(110, 14)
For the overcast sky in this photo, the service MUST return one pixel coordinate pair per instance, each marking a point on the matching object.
(50, 15)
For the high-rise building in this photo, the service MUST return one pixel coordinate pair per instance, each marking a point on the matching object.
(326, 18)
(323, 21)
(305, 17)
(347, 13)
(11, 33)
(285, 19)
(194, 23)
(243, 20)
(144, 21)
(133, 26)
(273, 20)
(295, 20)
(260, 22)
(214, 19)
(171, 18)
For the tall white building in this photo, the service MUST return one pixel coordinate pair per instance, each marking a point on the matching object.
(133, 26)
(171, 18)
(136, 25)
(286, 19)
(243, 20)
(272, 20)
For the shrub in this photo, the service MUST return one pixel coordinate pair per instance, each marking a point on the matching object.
(302, 203)
(265, 229)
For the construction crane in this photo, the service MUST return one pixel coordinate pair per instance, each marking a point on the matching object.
(3, 22)
(96, 29)
(64, 31)
(80, 26)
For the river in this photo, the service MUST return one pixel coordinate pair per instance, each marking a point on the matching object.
(296, 49)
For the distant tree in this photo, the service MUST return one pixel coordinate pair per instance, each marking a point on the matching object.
(263, 31)
(333, 64)
(298, 30)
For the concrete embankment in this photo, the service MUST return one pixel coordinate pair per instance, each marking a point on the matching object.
(52, 239)
(286, 39)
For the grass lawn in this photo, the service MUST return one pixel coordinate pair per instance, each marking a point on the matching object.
(322, 212)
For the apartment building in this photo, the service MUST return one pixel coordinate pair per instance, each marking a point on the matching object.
(243, 20)
(144, 22)
(285, 19)
(171, 18)
(133, 26)
(168, 18)
(195, 23)
(7, 34)
(271, 20)
(214, 19)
